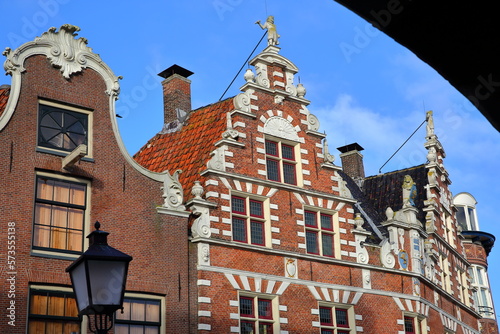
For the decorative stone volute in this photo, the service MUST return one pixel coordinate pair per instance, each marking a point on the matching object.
(172, 192)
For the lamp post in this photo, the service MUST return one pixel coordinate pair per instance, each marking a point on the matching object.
(98, 277)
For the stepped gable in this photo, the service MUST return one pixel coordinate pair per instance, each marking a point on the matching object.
(4, 97)
(385, 190)
(189, 147)
(367, 207)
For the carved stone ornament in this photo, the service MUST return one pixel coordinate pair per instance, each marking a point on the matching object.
(409, 191)
(290, 87)
(301, 90)
(172, 192)
(218, 161)
(329, 158)
(203, 254)
(430, 124)
(359, 221)
(312, 122)
(291, 268)
(201, 225)
(280, 127)
(242, 101)
(262, 79)
(249, 76)
(387, 258)
(230, 133)
(197, 190)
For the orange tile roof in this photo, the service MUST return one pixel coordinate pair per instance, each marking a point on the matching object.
(188, 148)
(4, 96)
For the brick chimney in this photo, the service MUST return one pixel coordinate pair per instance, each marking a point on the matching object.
(176, 93)
(352, 160)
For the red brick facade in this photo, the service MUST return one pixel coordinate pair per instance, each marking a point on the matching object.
(261, 232)
(122, 198)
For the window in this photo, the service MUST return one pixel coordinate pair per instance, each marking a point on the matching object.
(414, 325)
(319, 233)
(62, 127)
(336, 319)
(140, 316)
(60, 206)
(52, 312)
(257, 315)
(466, 211)
(481, 291)
(248, 220)
(280, 162)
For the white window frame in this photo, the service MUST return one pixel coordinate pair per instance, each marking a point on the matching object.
(86, 223)
(255, 297)
(90, 127)
(297, 162)
(265, 220)
(351, 319)
(335, 232)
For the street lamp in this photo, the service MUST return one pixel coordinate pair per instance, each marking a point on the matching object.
(98, 277)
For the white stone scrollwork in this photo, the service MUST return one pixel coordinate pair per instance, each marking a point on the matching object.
(290, 87)
(386, 256)
(230, 133)
(262, 79)
(329, 158)
(278, 99)
(242, 101)
(312, 122)
(172, 192)
(201, 225)
(218, 161)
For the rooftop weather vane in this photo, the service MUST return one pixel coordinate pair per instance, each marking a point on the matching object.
(272, 34)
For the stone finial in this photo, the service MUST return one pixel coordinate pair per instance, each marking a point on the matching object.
(301, 90)
(197, 190)
(359, 221)
(272, 34)
(249, 76)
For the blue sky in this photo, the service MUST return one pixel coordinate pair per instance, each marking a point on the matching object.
(363, 86)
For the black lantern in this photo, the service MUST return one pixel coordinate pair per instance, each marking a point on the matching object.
(98, 277)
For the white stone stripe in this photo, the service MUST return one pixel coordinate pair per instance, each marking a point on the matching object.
(335, 295)
(339, 206)
(206, 300)
(282, 288)
(326, 294)
(260, 190)
(314, 292)
(409, 305)
(329, 204)
(398, 302)
(299, 198)
(237, 184)
(345, 298)
(244, 281)
(232, 280)
(249, 187)
(225, 182)
(204, 282)
(271, 192)
(204, 327)
(310, 200)
(258, 284)
(204, 313)
(270, 286)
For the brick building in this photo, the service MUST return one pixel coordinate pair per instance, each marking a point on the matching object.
(255, 229)
(63, 166)
(289, 242)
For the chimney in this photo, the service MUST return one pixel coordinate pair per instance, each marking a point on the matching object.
(176, 93)
(352, 160)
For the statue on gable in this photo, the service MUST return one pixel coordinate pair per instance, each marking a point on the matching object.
(430, 124)
(272, 34)
(409, 192)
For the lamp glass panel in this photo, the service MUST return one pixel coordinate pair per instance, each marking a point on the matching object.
(106, 281)
(78, 276)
